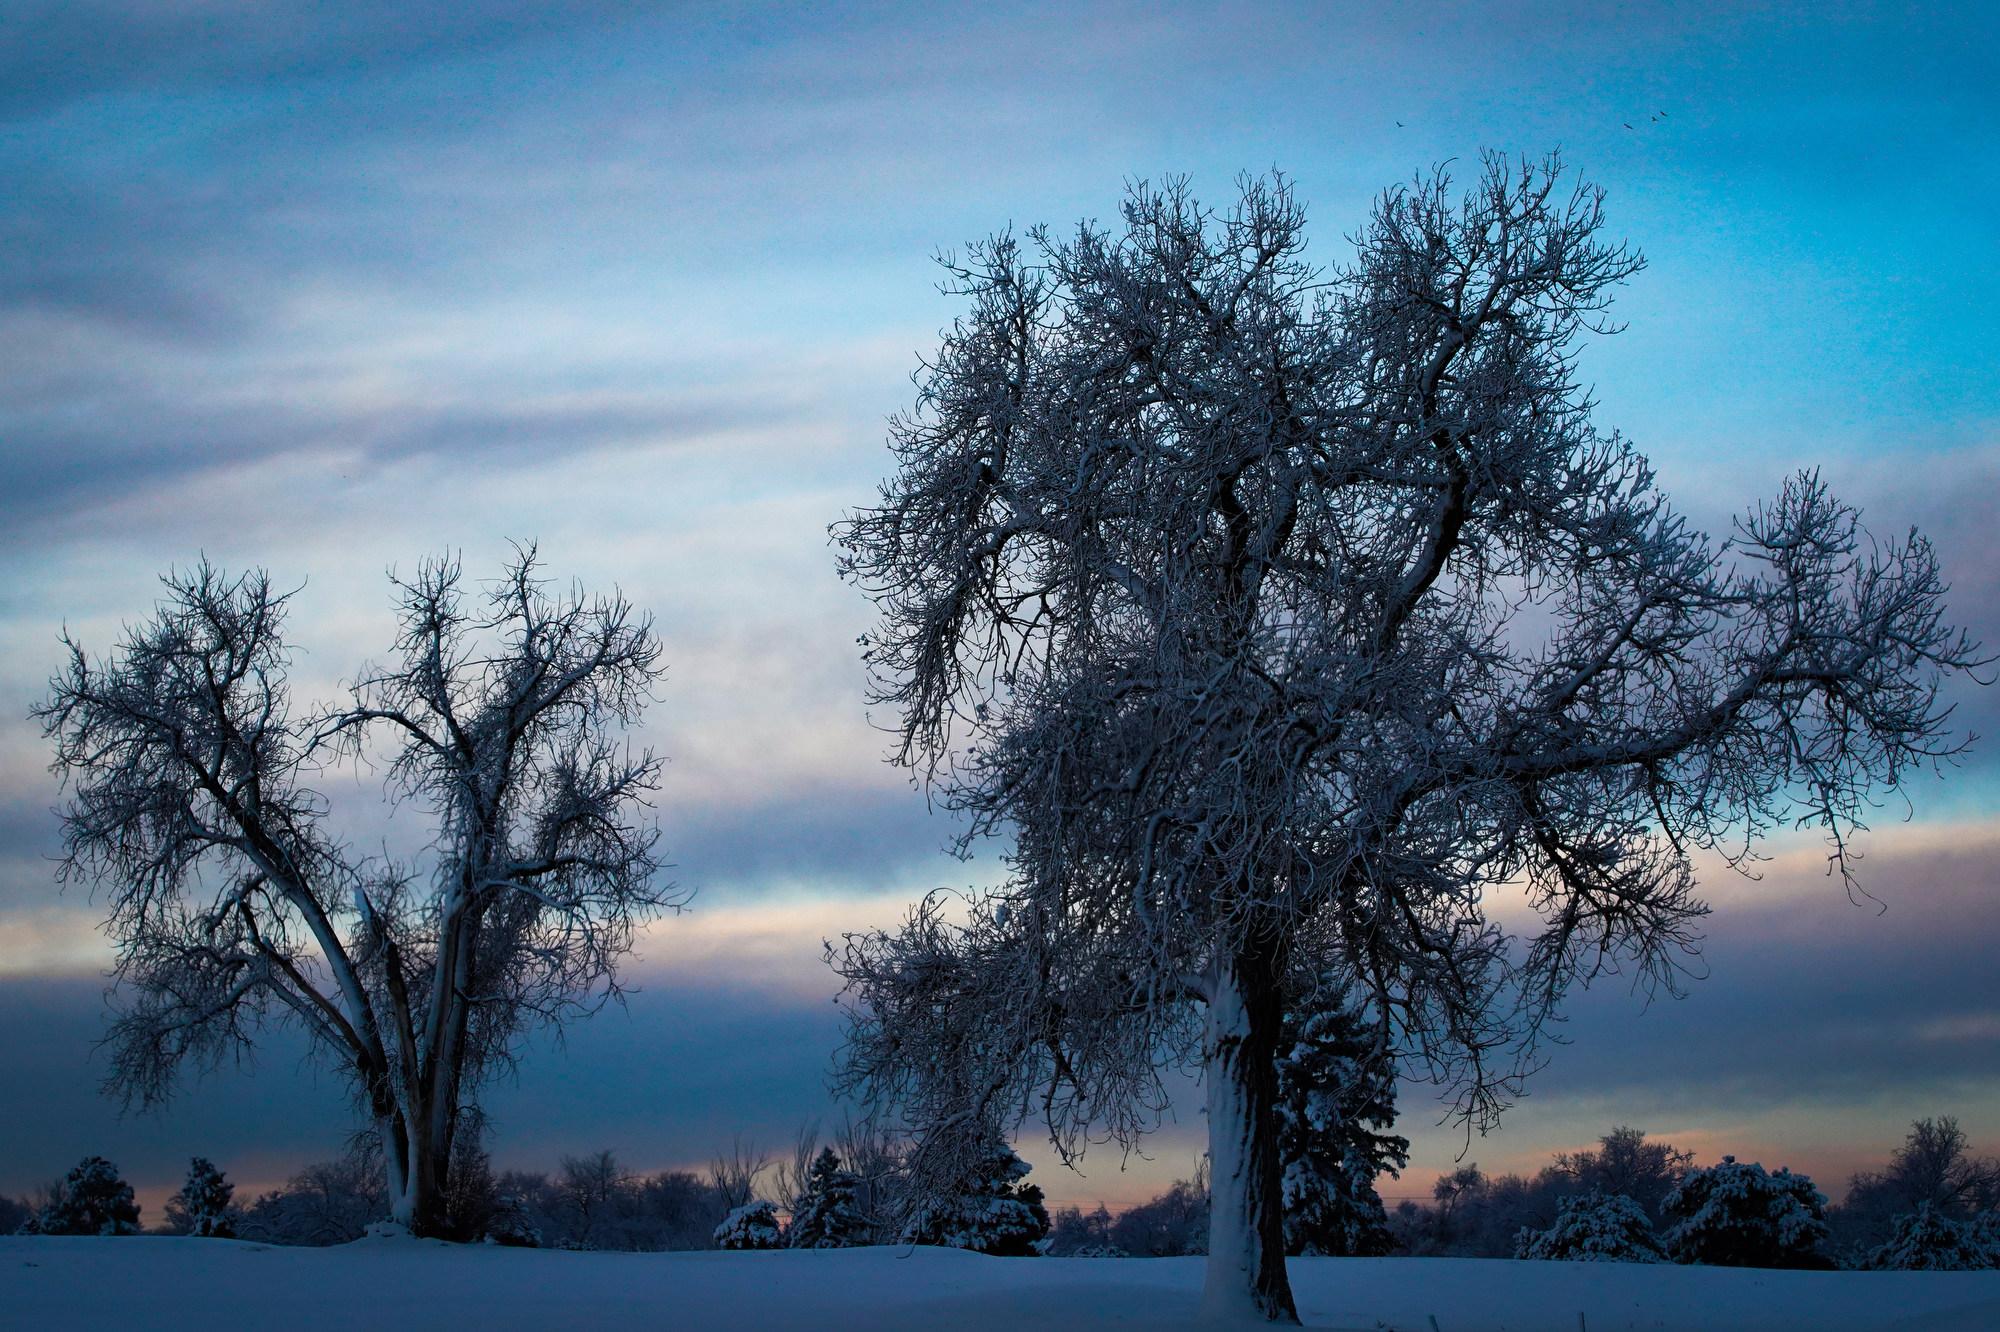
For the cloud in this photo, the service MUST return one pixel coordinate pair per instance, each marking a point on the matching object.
(1816, 1030)
(99, 48)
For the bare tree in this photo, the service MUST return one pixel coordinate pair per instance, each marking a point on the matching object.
(230, 902)
(1282, 616)
(876, 1157)
(733, 1175)
(1934, 1165)
(794, 1173)
(589, 1190)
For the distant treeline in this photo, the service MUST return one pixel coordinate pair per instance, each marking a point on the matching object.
(1933, 1204)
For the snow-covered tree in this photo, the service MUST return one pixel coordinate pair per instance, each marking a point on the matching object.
(233, 904)
(1929, 1240)
(1336, 1095)
(1624, 1162)
(1275, 614)
(1735, 1214)
(1595, 1227)
(986, 1208)
(1073, 1233)
(90, 1200)
(203, 1207)
(754, 1225)
(825, 1216)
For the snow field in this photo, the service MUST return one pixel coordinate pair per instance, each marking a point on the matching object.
(158, 1284)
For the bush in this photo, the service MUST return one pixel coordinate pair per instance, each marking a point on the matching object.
(754, 1225)
(90, 1200)
(1596, 1227)
(329, 1202)
(1736, 1215)
(1928, 1240)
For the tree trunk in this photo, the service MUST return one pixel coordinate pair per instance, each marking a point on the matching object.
(1246, 1228)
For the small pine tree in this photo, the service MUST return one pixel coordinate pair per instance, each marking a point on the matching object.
(203, 1208)
(90, 1200)
(1594, 1227)
(754, 1225)
(1335, 1095)
(1927, 1240)
(990, 1211)
(1736, 1215)
(826, 1217)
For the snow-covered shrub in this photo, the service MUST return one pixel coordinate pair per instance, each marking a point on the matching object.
(1335, 1094)
(510, 1224)
(1736, 1215)
(826, 1217)
(1595, 1227)
(1927, 1240)
(203, 1208)
(328, 1202)
(754, 1225)
(988, 1211)
(90, 1200)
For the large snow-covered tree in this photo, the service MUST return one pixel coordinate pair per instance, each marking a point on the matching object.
(1737, 1214)
(1281, 615)
(192, 808)
(92, 1199)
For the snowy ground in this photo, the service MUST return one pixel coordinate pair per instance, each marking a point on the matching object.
(180, 1285)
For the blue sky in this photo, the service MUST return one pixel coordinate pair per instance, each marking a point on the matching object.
(329, 288)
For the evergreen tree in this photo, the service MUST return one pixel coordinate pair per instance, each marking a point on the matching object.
(1736, 1215)
(754, 1225)
(203, 1208)
(90, 1200)
(826, 1217)
(1335, 1096)
(1929, 1240)
(989, 1211)
(1595, 1227)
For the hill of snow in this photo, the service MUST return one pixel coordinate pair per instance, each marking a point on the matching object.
(185, 1285)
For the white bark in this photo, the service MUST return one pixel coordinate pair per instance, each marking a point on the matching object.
(1233, 1250)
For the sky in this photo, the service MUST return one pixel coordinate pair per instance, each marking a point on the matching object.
(326, 289)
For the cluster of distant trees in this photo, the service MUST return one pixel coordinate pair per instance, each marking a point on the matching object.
(1934, 1206)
